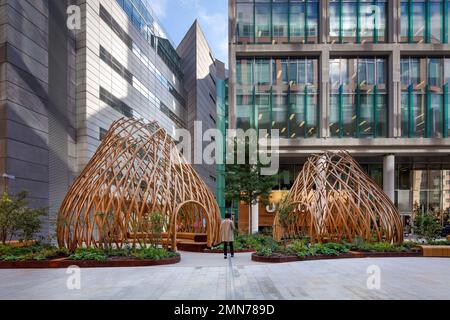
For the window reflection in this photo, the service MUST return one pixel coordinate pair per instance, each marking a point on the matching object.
(424, 21)
(284, 95)
(424, 103)
(277, 21)
(353, 21)
(262, 22)
(358, 105)
(280, 18)
(244, 24)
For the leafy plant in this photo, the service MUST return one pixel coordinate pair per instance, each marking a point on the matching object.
(16, 219)
(264, 251)
(427, 225)
(153, 253)
(330, 249)
(89, 254)
(440, 243)
(360, 245)
(285, 217)
(156, 226)
(33, 252)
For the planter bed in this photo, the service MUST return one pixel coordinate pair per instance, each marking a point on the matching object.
(221, 251)
(65, 263)
(349, 255)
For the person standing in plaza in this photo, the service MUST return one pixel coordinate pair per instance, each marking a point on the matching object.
(227, 231)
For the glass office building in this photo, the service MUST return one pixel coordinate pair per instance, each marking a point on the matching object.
(424, 107)
(358, 21)
(424, 21)
(358, 101)
(277, 21)
(367, 76)
(278, 94)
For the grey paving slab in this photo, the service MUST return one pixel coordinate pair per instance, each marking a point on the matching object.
(210, 277)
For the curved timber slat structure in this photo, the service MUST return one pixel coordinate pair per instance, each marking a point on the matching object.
(333, 199)
(136, 173)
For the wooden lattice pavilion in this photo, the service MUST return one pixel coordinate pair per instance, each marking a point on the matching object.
(136, 172)
(333, 199)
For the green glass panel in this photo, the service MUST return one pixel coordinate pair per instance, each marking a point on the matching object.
(263, 22)
(245, 28)
(280, 18)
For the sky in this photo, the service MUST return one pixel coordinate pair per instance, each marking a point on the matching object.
(177, 16)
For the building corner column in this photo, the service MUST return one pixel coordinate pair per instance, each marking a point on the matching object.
(255, 218)
(324, 75)
(389, 176)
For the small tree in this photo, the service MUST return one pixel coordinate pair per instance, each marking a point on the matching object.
(156, 223)
(285, 217)
(246, 183)
(16, 219)
(427, 225)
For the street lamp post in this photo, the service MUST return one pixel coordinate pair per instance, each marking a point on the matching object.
(7, 177)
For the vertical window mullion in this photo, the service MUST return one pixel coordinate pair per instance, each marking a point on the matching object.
(428, 21)
(271, 109)
(376, 22)
(358, 110)
(358, 21)
(375, 112)
(410, 22)
(254, 21)
(410, 111)
(445, 110)
(305, 110)
(340, 21)
(289, 21)
(271, 21)
(306, 20)
(289, 111)
(445, 21)
(253, 123)
(341, 116)
(428, 112)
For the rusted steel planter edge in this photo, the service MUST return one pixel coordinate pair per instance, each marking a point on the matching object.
(65, 263)
(349, 255)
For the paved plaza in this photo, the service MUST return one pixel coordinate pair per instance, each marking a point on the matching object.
(209, 277)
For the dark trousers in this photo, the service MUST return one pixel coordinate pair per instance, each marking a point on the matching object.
(225, 244)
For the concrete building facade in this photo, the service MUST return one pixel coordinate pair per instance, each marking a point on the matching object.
(369, 77)
(202, 73)
(61, 89)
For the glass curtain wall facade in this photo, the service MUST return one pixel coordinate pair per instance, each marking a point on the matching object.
(424, 21)
(278, 93)
(425, 97)
(358, 21)
(277, 21)
(423, 187)
(141, 16)
(358, 104)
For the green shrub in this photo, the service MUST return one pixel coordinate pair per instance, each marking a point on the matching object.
(302, 249)
(33, 252)
(264, 251)
(427, 225)
(153, 253)
(252, 242)
(329, 249)
(440, 243)
(16, 219)
(377, 247)
(89, 254)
